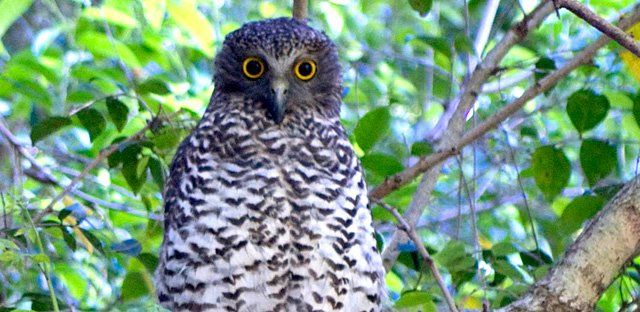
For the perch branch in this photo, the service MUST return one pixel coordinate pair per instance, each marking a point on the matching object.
(424, 253)
(593, 261)
(618, 35)
(300, 9)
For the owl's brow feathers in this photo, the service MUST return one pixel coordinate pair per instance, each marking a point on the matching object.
(279, 37)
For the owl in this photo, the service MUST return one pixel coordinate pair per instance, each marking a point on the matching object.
(266, 205)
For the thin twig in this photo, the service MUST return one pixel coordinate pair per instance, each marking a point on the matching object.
(424, 253)
(40, 174)
(474, 227)
(102, 156)
(595, 20)
(521, 187)
(300, 9)
(45, 267)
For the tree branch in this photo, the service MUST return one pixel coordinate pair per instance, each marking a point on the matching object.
(102, 156)
(424, 253)
(432, 164)
(40, 174)
(613, 32)
(300, 9)
(593, 261)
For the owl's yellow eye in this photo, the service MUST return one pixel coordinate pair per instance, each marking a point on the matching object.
(305, 69)
(253, 67)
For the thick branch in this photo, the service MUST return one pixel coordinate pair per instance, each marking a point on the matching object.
(613, 32)
(593, 261)
(300, 9)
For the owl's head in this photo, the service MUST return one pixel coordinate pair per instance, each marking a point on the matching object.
(281, 64)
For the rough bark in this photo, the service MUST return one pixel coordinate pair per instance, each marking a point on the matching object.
(593, 261)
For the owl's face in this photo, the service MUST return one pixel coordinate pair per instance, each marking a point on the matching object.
(283, 65)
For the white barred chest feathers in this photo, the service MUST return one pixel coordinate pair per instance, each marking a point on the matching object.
(266, 206)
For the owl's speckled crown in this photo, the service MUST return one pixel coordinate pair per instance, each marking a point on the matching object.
(279, 36)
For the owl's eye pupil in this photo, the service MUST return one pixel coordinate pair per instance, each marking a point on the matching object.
(254, 67)
(305, 69)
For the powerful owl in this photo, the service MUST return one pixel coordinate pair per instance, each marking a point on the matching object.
(266, 207)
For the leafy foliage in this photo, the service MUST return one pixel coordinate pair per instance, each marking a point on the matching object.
(121, 83)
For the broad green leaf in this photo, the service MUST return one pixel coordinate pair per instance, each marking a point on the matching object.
(157, 171)
(597, 159)
(150, 261)
(99, 44)
(111, 16)
(154, 11)
(188, 18)
(372, 127)
(439, 44)
(48, 127)
(156, 86)
(551, 170)
(97, 244)
(543, 67)
(421, 149)
(422, 6)
(381, 164)
(587, 109)
(636, 109)
(118, 112)
(420, 299)
(167, 140)
(579, 210)
(93, 121)
(134, 286)
(503, 249)
(74, 281)
(10, 11)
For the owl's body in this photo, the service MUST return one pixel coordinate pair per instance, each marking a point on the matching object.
(266, 208)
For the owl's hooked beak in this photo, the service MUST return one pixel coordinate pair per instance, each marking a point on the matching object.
(277, 100)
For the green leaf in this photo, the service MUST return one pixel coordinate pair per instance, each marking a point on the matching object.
(416, 299)
(97, 244)
(421, 149)
(579, 210)
(597, 159)
(68, 238)
(40, 258)
(439, 44)
(118, 112)
(543, 67)
(381, 164)
(154, 11)
(111, 16)
(150, 261)
(551, 170)
(134, 286)
(93, 121)
(587, 109)
(422, 6)
(157, 171)
(188, 18)
(156, 86)
(636, 109)
(10, 11)
(372, 127)
(48, 127)
(101, 45)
